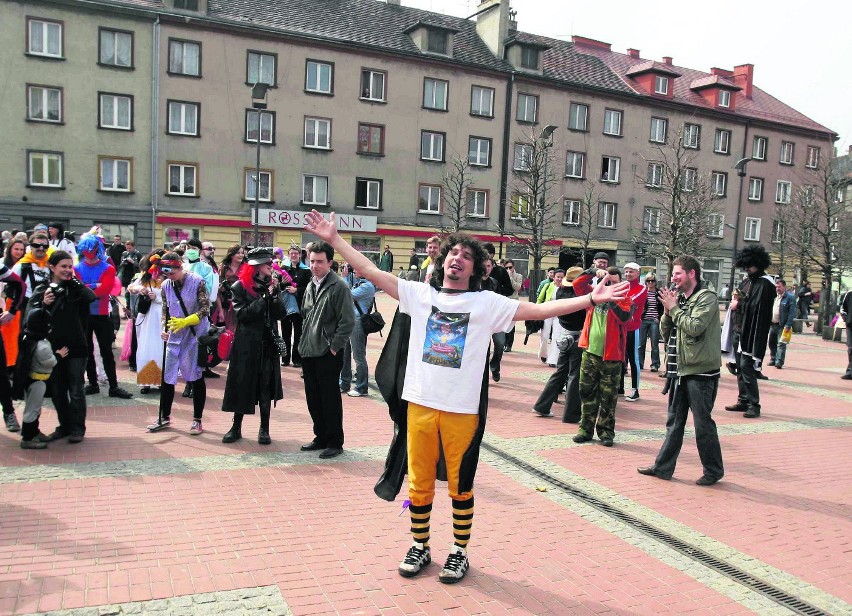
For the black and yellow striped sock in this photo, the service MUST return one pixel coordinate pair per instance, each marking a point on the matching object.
(462, 521)
(420, 515)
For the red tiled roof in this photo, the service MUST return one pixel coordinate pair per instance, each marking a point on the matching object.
(650, 66)
(713, 80)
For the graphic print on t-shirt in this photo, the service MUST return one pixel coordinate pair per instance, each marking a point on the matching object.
(446, 333)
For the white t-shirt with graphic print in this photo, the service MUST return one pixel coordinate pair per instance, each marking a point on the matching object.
(448, 347)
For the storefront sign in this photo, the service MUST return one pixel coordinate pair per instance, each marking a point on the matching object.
(294, 219)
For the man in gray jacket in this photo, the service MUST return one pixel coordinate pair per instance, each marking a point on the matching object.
(327, 322)
(694, 312)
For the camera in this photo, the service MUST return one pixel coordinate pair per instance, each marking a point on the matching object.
(57, 289)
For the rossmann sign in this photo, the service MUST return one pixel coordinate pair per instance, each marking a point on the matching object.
(294, 219)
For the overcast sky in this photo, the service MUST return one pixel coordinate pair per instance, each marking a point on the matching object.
(800, 50)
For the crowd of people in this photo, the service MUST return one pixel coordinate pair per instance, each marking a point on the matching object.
(266, 308)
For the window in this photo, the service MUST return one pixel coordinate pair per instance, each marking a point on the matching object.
(655, 175)
(183, 118)
(115, 48)
(429, 201)
(722, 144)
(529, 57)
(758, 148)
(479, 152)
(607, 214)
(437, 41)
(724, 98)
(571, 212)
(44, 104)
(45, 169)
(710, 272)
(787, 152)
(659, 129)
(783, 191)
(267, 126)
(482, 101)
(527, 108)
(432, 146)
(661, 85)
(260, 68)
(44, 38)
(692, 136)
(190, 5)
(523, 157)
(435, 94)
(183, 179)
(184, 58)
(651, 220)
(715, 225)
(115, 174)
(373, 85)
(719, 183)
(690, 178)
(574, 164)
(520, 207)
(612, 122)
(115, 111)
(807, 195)
(755, 189)
(477, 203)
(371, 139)
(779, 233)
(250, 185)
(578, 117)
(314, 190)
(610, 168)
(813, 157)
(752, 230)
(319, 77)
(368, 193)
(318, 133)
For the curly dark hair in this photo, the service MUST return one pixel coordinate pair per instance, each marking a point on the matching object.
(753, 256)
(479, 257)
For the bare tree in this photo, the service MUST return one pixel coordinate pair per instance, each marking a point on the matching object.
(535, 216)
(456, 182)
(817, 217)
(583, 219)
(685, 215)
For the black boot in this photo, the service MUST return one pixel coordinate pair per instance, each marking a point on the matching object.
(263, 437)
(235, 433)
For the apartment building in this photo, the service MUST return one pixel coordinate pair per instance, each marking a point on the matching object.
(369, 103)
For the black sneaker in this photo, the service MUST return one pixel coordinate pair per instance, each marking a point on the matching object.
(209, 374)
(417, 558)
(632, 396)
(12, 424)
(456, 566)
(92, 389)
(263, 437)
(119, 392)
(33, 444)
(581, 438)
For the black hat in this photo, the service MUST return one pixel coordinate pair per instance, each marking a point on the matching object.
(601, 255)
(259, 256)
(37, 326)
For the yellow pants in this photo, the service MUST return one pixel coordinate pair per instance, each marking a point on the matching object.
(430, 430)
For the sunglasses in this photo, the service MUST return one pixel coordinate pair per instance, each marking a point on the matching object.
(650, 282)
(168, 269)
(39, 246)
(510, 267)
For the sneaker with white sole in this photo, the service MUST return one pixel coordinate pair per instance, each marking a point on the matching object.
(632, 396)
(456, 566)
(354, 393)
(12, 424)
(418, 557)
(195, 429)
(159, 424)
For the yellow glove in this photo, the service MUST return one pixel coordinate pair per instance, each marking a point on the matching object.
(177, 323)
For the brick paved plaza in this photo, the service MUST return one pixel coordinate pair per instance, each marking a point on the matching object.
(135, 523)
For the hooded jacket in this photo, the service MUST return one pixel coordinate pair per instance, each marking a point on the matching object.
(617, 319)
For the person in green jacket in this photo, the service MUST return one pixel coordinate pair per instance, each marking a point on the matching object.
(694, 312)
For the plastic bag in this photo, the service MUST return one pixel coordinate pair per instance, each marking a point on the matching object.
(786, 335)
(127, 343)
(226, 341)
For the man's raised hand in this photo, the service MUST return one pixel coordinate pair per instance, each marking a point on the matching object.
(319, 226)
(610, 293)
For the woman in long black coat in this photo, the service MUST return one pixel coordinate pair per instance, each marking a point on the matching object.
(254, 376)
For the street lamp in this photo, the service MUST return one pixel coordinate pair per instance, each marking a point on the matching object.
(258, 102)
(740, 166)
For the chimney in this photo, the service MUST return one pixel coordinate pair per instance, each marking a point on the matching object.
(492, 24)
(850, 149)
(744, 78)
(667, 60)
(582, 41)
(633, 53)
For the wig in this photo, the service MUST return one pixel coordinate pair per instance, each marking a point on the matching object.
(753, 256)
(91, 243)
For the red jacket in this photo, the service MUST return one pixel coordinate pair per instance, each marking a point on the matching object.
(617, 319)
(638, 295)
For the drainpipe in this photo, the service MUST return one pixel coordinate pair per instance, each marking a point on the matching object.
(155, 123)
(742, 175)
(504, 164)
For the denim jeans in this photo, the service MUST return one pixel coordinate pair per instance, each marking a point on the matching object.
(777, 351)
(356, 347)
(698, 394)
(649, 329)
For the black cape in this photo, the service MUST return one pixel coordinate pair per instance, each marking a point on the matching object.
(390, 377)
(756, 315)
